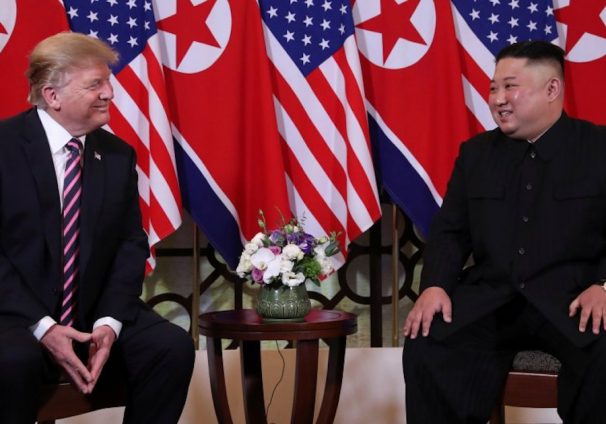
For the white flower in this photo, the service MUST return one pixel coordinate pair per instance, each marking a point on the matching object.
(273, 269)
(250, 248)
(286, 265)
(258, 239)
(244, 266)
(291, 279)
(320, 250)
(327, 265)
(262, 257)
(293, 252)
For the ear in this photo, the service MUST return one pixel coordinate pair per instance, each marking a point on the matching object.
(51, 97)
(554, 88)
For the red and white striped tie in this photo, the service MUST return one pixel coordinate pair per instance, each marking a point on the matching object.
(72, 191)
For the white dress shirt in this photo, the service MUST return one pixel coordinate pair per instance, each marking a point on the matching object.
(58, 137)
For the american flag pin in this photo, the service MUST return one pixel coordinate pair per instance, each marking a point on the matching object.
(97, 155)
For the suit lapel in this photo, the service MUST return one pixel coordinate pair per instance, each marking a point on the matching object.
(38, 154)
(92, 195)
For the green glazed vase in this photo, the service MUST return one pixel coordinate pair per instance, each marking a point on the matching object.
(278, 303)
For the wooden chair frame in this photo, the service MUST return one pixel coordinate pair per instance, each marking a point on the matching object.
(63, 400)
(529, 390)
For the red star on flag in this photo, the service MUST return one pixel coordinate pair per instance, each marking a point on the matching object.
(180, 24)
(582, 17)
(393, 13)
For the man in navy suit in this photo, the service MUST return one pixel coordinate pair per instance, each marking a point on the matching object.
(95, 326)
(527, 201)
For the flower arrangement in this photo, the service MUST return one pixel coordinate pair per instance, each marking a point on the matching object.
(287, 254)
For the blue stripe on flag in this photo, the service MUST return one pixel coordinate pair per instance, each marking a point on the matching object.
(403, 184)
(207, 210)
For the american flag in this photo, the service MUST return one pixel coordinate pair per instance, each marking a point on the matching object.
(139, 113)
(318, 98)
(484, 28)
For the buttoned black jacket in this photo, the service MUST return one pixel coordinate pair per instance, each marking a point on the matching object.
(545, 240)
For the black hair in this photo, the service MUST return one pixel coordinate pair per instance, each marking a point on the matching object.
(536, 51)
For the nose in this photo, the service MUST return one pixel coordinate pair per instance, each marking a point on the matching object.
(498, 98)
(107, 91)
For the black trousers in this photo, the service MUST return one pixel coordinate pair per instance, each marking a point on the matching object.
(153, 357)
(459, 379)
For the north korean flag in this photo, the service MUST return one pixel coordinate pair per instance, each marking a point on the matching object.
(23, 23)
(418, 117)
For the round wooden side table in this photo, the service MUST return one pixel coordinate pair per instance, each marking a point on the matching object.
(246, 327)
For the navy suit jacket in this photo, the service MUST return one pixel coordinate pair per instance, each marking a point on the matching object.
(549, 256)
(113, 245)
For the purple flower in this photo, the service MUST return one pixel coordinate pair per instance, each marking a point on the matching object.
(277, 237)
(276, 250)
(257, 275)
(306, 243)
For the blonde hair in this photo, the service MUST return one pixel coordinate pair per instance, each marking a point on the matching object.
(55, 55)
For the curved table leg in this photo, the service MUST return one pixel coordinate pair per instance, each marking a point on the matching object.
(334, 378)
(252, 382)
(217, 380)
(306, 375)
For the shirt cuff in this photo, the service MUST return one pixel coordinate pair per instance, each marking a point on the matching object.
(40, 328)
(111, 322)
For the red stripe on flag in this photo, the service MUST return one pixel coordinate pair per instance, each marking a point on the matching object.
(309, 132)
(121, 127)
(321, 210)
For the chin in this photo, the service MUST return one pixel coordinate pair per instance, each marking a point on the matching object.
(506, 130)
(102, 120)
(507, 127)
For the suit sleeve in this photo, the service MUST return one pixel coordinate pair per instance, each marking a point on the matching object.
(448, 245)
(120, 297)
(17, 302)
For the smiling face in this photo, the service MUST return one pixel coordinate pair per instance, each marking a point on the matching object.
(81, 102)
(525, 98)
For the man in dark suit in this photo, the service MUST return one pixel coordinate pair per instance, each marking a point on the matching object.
(527, 201)
(72, 248)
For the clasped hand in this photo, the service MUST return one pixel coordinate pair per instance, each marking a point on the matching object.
(59, 341)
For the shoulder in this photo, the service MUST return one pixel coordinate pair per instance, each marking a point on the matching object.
(110, 143)
(587, 129)
(586, 139)
(14, 124)
(482, 142)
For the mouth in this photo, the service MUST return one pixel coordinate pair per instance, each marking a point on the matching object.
(504, 114)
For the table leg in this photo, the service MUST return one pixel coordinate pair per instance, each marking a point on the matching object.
(252, 382)
(334, 378)
(217, 380)
(306, 376)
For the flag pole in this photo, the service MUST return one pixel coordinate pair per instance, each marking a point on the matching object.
(395, 286)
(195, 289)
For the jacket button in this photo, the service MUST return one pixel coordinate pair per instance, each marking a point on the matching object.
(522, 285)
(521, 251)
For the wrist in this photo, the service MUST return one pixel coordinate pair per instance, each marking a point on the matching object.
(602, 283)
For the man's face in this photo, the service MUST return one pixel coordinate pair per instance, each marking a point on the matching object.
(519, 97)
(81, 104)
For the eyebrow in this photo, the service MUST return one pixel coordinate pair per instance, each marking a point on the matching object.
(504, 79)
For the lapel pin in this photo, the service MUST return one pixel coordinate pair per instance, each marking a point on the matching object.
(97, 155)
